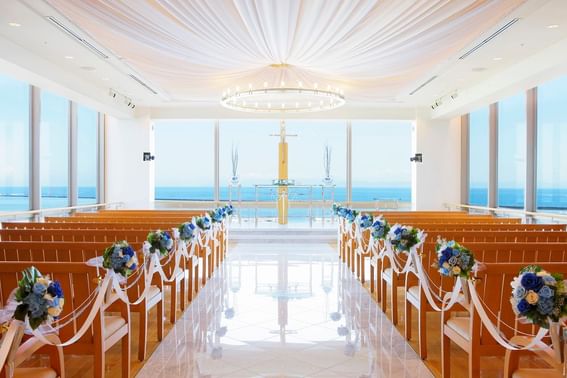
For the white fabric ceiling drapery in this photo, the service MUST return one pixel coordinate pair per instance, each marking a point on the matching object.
(193, 49)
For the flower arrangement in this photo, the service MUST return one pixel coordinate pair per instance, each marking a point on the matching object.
(402, 238)
(203, 222)
(380, 228)
(453, 260)
(186, 231)
(160, 241)
(344, 212)
(217, 215)
(120, 257)
(228, 209)
(539, 296)
(365, 221)
(39, 298)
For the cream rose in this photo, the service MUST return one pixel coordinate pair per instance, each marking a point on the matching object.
(54, 311)
(532, 297)
(456, 270)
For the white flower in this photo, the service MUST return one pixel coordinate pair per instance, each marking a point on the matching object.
(456, 270)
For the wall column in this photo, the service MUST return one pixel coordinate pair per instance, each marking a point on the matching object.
(216, 160)
(465, 159)
(493, 156)
(35, 129)
(531, 150)
(73, 153)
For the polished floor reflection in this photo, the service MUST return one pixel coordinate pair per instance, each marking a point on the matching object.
(283, 311)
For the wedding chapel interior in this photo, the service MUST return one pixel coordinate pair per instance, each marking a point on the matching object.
(283, 188)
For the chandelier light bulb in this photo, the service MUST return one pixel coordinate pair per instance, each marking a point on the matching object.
(237, 88)
(265, 84)
(283, 83)
(315, 85)
(249, 86)
(297, 104)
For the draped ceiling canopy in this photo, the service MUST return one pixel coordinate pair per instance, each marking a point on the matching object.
(191, 50)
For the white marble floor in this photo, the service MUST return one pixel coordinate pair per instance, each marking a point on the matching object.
(283, 311)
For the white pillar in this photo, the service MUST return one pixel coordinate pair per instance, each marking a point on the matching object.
(493, 156)
(35, 141)
(531, 150)
(73, 153)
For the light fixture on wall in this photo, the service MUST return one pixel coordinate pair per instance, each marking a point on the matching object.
(147, 156)
(126, 100)
(417, 158)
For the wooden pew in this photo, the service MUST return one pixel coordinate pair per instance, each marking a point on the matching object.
(491, 252)
(78, 281)
(493, 288)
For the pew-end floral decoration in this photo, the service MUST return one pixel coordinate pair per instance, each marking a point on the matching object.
(539, 297)
(121, 258)
(403, 238)
(380, 228)
(160, 241)
(453, 260)
(39, 298)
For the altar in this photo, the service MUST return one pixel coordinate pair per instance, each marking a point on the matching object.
(289, 195)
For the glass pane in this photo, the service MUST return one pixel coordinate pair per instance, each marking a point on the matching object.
(14, 145)
(478, 159)
(375, 177)
(512, 151)
(184, 160)
(87, 154)
(257, 155)
(54, 150)
(306, 162)
(552, 142)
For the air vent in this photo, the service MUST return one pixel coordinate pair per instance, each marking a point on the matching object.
(79, 39)
(423, 85)
(490, 38)
(143, 84)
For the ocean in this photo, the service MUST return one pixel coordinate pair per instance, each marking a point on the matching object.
(16, 198)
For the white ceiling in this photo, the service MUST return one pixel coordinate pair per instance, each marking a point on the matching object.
(380, 52)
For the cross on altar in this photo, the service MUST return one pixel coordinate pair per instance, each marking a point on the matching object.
(282, 173)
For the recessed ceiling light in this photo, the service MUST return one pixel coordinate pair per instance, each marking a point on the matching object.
(88, 68)
(497, 58)
(552, 26)
(69, 57)
(478, 69)
(104, 79)
(14, 24)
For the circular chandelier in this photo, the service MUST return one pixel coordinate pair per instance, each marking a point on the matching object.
(283, 99)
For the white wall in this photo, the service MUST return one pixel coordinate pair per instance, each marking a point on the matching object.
(436, 181)
(128, 178)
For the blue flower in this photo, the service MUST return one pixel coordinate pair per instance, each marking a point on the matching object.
(55, 289)
(523, 306)
(531, 281)
(519, 292)
(128, 251)
(545, 292)
(545, 305)
(39, 289)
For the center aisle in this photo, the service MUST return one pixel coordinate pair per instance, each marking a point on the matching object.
(283, 310)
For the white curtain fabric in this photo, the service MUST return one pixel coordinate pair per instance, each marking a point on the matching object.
(373, 49)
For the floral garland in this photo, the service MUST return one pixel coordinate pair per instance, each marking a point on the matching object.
(160, 241)
(39, 298)
(539, 296)
(365, 221)
(121, 258)
(380, 228)
(203, 222)
(186, 231)
(229, 209)
(403, 238)
(453, 260)
(217, 215)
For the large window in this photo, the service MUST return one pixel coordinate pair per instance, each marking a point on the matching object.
(256, 157)
(552, 145)
(184, 160)
(381, 169)
(14, 145)
(478, 157)
(512, 151)
(54, 150)
(87, 154)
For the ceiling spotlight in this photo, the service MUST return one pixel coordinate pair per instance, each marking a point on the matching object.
(14, 24)
(105, 79)
(552, 26)
(69, 57)
(497, 58)
(133, 106)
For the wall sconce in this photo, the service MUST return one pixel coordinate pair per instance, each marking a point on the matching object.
(148, 156)
(418, 158)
